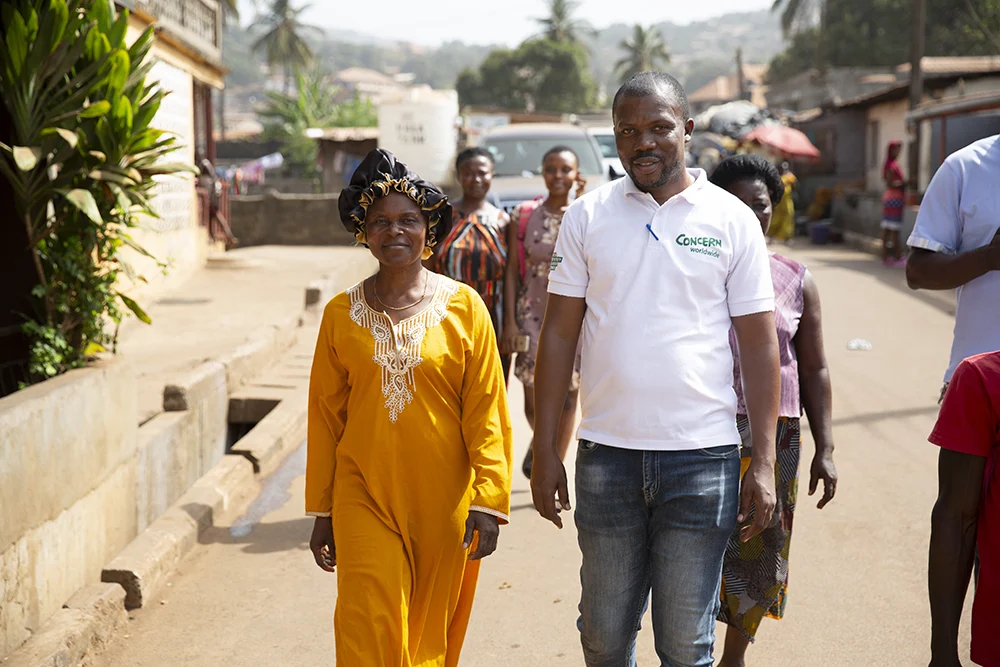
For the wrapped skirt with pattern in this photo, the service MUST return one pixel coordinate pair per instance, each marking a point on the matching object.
(755, 573)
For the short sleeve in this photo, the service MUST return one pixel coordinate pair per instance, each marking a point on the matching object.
(939, 221)
(568, 274)
(967, 422)
(749, 288)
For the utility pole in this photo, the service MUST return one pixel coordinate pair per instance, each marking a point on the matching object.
(919, 10)
(741, 81)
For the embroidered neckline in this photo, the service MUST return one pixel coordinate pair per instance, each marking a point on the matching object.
(397, 346)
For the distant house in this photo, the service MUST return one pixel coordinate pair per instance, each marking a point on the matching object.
(813, 89)
(726, 88)
(961, 104)
(341, 150)
(944, 78)
(368, 84)
(187, 61)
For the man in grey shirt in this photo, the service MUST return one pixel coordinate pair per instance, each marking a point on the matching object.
(956, 245)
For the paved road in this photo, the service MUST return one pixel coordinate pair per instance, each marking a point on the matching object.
(857, 592)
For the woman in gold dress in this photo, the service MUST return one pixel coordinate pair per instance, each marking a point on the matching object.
(409, 454)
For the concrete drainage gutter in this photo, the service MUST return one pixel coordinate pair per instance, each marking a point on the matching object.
(80, 632)
(142, 568)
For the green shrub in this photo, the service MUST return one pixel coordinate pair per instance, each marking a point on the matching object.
(81, 166)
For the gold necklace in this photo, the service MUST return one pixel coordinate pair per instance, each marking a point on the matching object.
(387, 306)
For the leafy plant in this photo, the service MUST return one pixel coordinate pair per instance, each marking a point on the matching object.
(314, 105)
(81, 166)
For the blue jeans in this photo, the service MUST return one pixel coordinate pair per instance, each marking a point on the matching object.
(653, 521)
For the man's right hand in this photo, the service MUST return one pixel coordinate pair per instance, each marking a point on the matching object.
(993, 252)
(549, 489)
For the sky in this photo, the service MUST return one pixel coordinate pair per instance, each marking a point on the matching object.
(432, 22)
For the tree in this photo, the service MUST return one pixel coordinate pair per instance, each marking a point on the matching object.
(283, 43)
(540, 75)
(313, 105)
(644, 51)
(797, 15)
(560, 26)
(876, 33)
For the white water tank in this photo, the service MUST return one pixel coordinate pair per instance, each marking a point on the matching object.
(419, 127)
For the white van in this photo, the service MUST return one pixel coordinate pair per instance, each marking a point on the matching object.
(518, 150)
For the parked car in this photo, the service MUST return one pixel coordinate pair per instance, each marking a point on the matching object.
(605, 137)
(518, 150)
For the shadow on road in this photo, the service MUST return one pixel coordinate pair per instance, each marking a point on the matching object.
(265, 538)
(894, 278)
(873, 417)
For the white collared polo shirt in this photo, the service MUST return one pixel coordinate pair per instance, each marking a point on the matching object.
(661, 284)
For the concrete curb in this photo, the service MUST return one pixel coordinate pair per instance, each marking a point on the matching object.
(263, 347)
(78, 633)
(279, 432)
(144, 564)
(864, 243)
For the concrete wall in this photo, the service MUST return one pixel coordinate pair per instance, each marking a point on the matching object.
(840, 135)
(284, 219)
(67, 490)
(891, 119)
(176, 237)
(79, 480)
(861, 212)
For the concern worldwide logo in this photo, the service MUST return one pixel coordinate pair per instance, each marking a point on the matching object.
(701, 245)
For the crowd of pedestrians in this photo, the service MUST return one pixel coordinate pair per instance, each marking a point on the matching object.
(649, 320)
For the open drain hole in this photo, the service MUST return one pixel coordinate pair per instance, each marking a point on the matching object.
(244, 414)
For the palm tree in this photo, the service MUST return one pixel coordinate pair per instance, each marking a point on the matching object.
(283, 43)
(645, 51)
(797, 13)
(560, 26)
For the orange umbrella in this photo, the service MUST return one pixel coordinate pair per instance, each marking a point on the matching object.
(786, 140)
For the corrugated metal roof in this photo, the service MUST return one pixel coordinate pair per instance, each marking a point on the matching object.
(348, 134)
(955, 65)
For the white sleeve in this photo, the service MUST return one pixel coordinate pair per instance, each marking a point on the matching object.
(568, 274)
(939, 221)
(749, 285)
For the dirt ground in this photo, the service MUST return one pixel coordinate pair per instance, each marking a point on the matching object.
(250, 594)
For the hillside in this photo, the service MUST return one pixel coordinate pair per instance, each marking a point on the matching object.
(700, 50)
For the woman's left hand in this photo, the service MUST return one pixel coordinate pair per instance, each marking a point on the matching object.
(823, 468)
(488, 528)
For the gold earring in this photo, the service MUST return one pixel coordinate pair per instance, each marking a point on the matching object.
(427, 253)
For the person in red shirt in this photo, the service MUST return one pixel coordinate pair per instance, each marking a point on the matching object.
(967, 511)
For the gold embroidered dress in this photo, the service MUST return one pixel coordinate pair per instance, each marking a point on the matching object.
(408, 430)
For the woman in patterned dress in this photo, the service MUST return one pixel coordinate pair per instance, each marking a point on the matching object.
(892, 206)
(474, 252)
(532, 240)
(755, 573)
(409, 457)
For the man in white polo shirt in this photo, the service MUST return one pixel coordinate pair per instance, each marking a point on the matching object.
(956, 245)
(656, 268)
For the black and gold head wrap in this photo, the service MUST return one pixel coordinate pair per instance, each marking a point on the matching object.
(380, 174)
